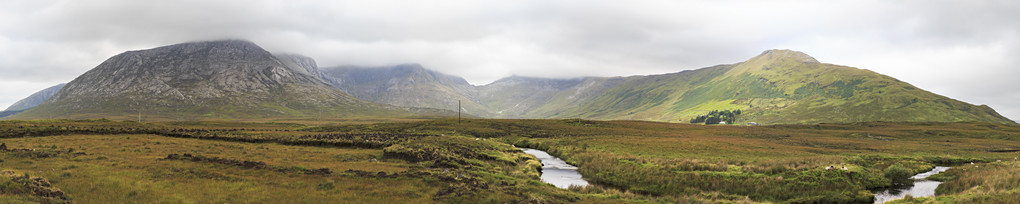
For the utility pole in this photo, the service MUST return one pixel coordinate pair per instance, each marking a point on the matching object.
(458, 111)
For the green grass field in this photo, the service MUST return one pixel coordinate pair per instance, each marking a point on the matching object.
(475, 161)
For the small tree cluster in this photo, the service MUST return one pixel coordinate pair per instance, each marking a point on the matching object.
(715, 117)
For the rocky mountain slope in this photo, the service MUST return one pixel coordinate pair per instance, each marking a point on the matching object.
(31, 101)
(777, 86)
(35, 99)
(229, 79)
(408, 85)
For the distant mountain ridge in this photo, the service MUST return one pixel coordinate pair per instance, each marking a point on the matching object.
(236, 79)
(31, 101)
(408, 85)
(36, 98)
(777, 86)
(228, 79)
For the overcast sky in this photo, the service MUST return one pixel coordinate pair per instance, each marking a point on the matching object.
(967, 50)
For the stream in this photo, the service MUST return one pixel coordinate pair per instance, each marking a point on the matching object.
(556, 171)
(921, 188)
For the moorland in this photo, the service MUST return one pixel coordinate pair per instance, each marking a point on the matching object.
(478, 161)
(230, 122)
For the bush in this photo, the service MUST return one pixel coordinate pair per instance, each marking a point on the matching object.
(898, 174)
(10, 187)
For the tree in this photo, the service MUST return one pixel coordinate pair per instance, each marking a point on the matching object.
(716, 116)
(712, 120)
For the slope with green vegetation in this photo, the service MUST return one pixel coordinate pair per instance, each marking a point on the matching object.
(817, 92)
(776, 87)
(779, 86)
(517, 96)
(648, 98)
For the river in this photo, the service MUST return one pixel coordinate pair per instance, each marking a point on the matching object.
(921, 188)
(556, 171)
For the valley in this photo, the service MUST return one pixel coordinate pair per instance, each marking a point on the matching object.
(775, 87)
(511, 102)
(229, 122)
(237, 80)
(477, 160)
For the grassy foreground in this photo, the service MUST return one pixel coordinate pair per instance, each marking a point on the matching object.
(473, 161)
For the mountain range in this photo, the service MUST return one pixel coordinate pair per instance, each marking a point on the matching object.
(229, 79)
(237, 79)
(777, 86)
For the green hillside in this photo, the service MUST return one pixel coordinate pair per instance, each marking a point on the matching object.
(517, 96)
(778, 86)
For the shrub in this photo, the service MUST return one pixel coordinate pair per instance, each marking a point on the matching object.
(898, 174)
(10, 187)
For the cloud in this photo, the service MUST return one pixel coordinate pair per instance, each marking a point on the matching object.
(953, 48)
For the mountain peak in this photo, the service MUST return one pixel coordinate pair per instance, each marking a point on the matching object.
(217, 79)
(221, 44)
(410, 67)
(787, 54)
(232, 49)
(240, 42)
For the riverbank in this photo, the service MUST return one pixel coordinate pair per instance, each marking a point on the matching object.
(556, 171)
(992, 182)
(921, 187)
(472, 161)
(782, 163)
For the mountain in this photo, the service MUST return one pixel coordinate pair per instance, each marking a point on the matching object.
(777, 86)
(302, 65)
(516, 96)
(228, 79)
(237, 79)
(9, 113)
(31, 101)
(408, 85)
(35, 99)
(780, 86)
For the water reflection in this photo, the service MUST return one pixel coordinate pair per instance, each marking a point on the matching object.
(556, 171)
(921, 187)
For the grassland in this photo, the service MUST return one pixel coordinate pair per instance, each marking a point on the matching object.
(993, 182)
(473, 161)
